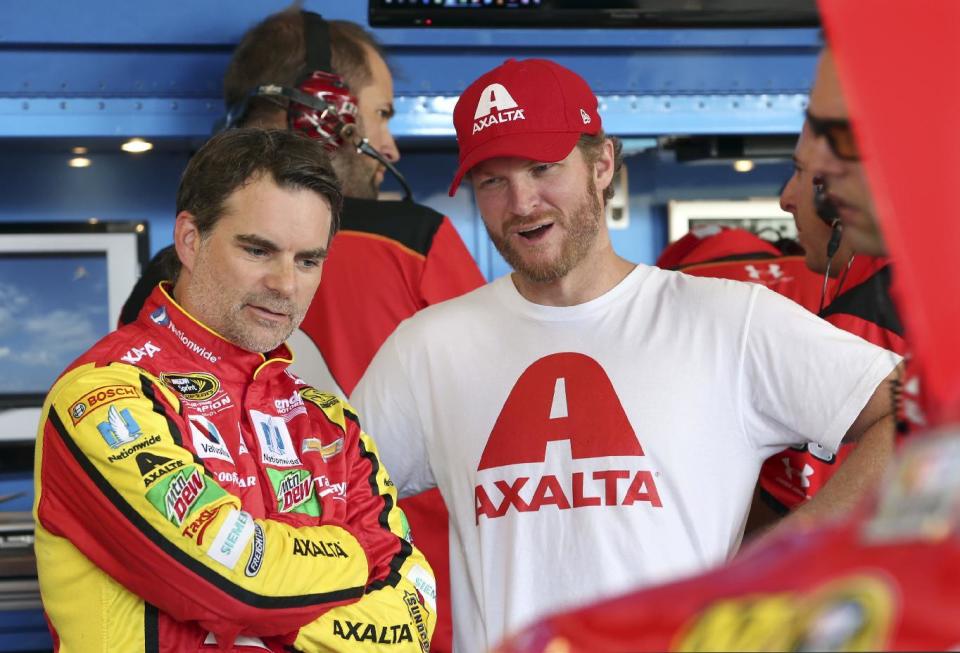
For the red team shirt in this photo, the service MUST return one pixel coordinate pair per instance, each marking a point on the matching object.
(862, 307)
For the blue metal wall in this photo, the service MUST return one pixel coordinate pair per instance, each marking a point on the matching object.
(110, 69)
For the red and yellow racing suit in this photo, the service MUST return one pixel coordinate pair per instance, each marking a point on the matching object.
(191, 496)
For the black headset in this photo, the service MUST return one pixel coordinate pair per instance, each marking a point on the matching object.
(826, 210)
(320, 105)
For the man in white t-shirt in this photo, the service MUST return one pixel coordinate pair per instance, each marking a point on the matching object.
(594, 425)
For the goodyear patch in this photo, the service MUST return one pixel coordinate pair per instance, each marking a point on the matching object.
(193, 386)
(849, 614)
(98, 398)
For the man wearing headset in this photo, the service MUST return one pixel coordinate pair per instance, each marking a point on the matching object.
(390, 259)
(855, 297)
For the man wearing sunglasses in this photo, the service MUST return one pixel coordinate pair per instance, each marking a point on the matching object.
(837, 160)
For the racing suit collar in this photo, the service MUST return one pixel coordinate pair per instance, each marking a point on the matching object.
(162, 313)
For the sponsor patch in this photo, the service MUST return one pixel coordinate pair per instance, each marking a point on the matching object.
(234, 534)
(294, 491)
(196, 528)
(848, 614)
(358, 631)
(326, 487)
(276, 446)
(256, 553)
(119, 428)
(326, 451)
(159, 316)
(233, 478)
(321, 399)
(123, 454)
(291, 406)
(424, 581)
(175, 496)
(416, 608)
(100, 397)
(147, 350)
(153, 467)
(207, 441)
(316, 548)
(195, 386)
(191, 345)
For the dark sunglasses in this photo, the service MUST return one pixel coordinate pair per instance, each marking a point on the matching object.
(839, 136)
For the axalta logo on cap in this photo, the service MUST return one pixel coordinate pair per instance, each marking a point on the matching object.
(495, 98)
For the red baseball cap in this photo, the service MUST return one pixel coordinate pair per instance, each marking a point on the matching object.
(532, 109)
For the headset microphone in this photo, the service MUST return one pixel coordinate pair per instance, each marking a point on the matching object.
(826, 210)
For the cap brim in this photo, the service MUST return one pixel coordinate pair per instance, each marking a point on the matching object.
(547, 147)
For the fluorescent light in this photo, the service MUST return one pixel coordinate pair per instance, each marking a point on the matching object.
(136, 146)
(743, 165)
(79, 162)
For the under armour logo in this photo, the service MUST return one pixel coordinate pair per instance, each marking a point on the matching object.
(585, 117)
(803, 475)
(773, 270)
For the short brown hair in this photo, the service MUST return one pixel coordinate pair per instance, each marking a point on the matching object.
(274, 52)
(591, 146)
(234, 158)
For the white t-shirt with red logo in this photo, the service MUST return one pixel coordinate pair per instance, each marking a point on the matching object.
(588, 450)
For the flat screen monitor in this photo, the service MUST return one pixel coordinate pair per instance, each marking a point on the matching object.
(62, 286)
(579, 14)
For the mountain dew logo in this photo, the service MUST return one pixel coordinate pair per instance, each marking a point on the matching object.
(176, 496)
(294, 491)
(405, 527)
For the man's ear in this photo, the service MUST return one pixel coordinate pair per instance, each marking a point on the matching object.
(604, 167)
(186, 239)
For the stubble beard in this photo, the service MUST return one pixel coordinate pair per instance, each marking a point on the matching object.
(582, 226)
(356, 173)
(224, 314)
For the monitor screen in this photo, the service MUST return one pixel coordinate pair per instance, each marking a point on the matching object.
(592, 13)
(53, 307)
(62, 286)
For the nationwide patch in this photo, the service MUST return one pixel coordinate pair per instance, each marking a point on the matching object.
(194, 386)
(175, 496)
(120, 428)
(276, 445)
(294, 491)
(100, 397)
